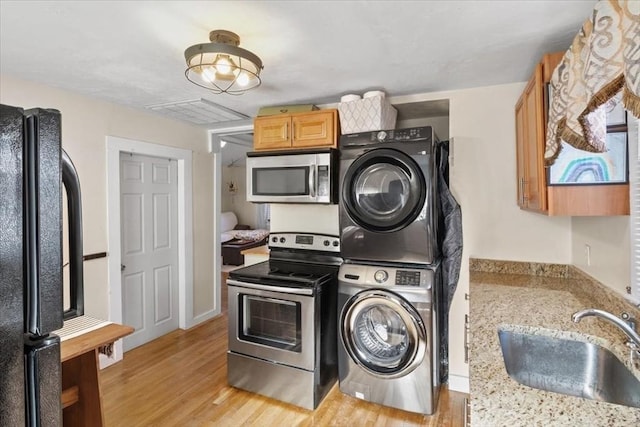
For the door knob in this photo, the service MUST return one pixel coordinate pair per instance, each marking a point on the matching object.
(122, 267)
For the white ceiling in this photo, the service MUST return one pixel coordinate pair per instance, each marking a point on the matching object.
(132, 52)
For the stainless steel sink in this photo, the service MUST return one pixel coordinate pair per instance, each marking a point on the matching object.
(570, 367)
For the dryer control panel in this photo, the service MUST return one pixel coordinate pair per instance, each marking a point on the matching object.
(424, 133)
(407, 278)
(383, 276)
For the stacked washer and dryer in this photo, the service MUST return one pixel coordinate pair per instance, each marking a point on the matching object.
(388, 288)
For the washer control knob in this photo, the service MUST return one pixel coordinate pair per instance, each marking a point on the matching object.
(381, 135)
(336, 243)
(381, 276)
(326, 243)
(274, 239)
(282, 240)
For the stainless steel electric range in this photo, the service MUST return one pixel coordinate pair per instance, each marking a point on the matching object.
(282, 320)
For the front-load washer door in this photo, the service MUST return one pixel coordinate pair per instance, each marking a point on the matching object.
(383, 333)
(383, 190)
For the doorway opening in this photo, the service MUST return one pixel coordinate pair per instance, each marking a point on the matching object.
(116, 146)
(228, 146)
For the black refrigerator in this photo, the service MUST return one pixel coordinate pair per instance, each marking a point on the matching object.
(33, 167)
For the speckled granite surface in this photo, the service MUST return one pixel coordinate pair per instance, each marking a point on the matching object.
(516, 267)
(540, 300)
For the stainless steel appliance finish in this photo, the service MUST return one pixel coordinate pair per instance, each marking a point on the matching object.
(569, 367)
(292, 176)
(388, 345)
(284, 347)
(282, 320)
(388, 207)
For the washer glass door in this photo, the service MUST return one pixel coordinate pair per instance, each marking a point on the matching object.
(384, 190)
(383, 333)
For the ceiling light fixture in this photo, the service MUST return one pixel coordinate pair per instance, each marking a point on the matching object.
(221, 66)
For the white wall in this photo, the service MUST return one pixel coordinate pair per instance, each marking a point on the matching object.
(609, 240)
(483, 180)
(322, 219)
(246, 212)
(440, 125)
(85, 124)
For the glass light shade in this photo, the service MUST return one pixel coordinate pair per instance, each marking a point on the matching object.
(223, 67)
(224, 64)
(209, 74)
(243, 79)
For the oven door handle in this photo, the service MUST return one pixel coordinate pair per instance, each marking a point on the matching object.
(295, 291)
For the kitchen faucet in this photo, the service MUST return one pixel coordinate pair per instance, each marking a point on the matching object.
(627, 325)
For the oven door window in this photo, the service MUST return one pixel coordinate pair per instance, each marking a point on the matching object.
(281, 181)
(271, 322)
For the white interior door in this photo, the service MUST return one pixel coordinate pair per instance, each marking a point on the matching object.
(149, 225)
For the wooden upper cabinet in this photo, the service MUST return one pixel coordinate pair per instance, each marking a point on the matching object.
(549, 63)
(272, 132)
(520, 149)
(317, 129)
(535, 184)
(530, 140)
(531, 125)
(532, 190)
(300, 130)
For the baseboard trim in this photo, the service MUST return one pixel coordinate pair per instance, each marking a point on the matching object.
(115, 357)
(459, 383)
(203, 317)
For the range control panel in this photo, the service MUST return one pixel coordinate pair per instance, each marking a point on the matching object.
(314, 242)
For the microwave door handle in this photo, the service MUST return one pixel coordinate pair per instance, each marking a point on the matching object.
(312, 181)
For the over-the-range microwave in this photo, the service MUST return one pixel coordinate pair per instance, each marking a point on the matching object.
(292, 176)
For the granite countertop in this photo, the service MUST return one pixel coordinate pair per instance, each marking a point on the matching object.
(540, 299)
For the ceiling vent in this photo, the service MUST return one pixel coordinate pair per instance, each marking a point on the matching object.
(198, 111)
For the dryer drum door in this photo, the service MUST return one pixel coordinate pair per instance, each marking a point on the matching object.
(384, 190)
(383, 333)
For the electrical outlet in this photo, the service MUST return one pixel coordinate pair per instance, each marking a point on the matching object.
(587, 254)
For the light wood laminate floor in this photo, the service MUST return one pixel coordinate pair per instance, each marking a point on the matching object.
(180, 380)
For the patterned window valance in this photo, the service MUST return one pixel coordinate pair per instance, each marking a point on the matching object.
(603, 59)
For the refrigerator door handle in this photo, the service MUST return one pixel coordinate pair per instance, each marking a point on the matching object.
(71, 183)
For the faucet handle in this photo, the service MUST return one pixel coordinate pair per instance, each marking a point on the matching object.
(631, 321)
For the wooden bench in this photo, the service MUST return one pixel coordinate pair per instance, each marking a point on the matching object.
(81, 400)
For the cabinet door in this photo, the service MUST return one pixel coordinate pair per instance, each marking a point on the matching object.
(535, 181)
(520, 151)
(316, 129)
(272, 132)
